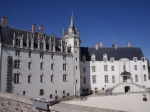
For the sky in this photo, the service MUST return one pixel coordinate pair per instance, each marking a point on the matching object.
(109, 21)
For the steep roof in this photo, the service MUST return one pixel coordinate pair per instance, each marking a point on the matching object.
(120, 52)
(7, 35)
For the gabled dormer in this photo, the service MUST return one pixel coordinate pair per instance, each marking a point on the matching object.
(18, 40)
(93, 57)
(105, 57)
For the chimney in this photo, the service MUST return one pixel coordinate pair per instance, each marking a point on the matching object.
(128, 44)
(63, 32)
(115, 46)
(33, 28)
(101, 44)
(4, 22)
(96, 46)
(40, 29)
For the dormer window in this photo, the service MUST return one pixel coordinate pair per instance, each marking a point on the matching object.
(93, 57)
(105, 57)
(112, 59)
(135, 59)
(143, 59)
(42, 46)
(17, 53)
(84, 58)
(18, 42)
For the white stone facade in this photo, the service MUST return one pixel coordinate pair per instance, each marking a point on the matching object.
(97, 82)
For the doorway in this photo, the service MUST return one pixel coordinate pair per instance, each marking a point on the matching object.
(127, 89)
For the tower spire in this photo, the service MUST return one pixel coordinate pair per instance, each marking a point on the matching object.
(72, 20)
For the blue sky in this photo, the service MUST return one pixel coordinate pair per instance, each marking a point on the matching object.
(96, 20)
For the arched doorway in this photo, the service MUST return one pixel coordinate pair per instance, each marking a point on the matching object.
(127, 89)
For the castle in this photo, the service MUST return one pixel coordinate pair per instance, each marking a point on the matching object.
(39, 65)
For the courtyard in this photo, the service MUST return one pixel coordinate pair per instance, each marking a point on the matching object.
(132, 102)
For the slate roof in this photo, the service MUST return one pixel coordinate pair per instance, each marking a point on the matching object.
(7, 33)
(120, 52)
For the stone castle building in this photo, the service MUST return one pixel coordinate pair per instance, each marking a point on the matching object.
(39, 65)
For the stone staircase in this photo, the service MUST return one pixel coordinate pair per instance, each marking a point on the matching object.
(109, 90)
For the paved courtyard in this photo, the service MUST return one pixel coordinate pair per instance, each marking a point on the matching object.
(125, 102)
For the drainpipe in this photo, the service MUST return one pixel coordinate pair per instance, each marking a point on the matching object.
(141, 73)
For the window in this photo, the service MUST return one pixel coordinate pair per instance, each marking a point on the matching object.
(113, 79)
(64, 57)
(136, 78)
(29, 44)
(29, 65)
(134, 59)
(76, 67)
(106, 78)
(41, 92)
(143, 59)
(145, 77)
(41, 65)
(29, 78)
(29, 54)
(41, 55)
(51, 96)
(84, 70)
(56, 91)
(67, 94)
(94, 79)
(17, 64)
(112, 59)
(135, 67)
(64, 66)
(52, 66)
(76, 59)
(112, 68)
(105, 68)
(64, 92)
(144, 68)
(41, 46)
(93, 69)
(41, 78)
(17, 53)
(52, 78)
(52, 56)
(124, 68)
(65, 78)
(16, 78)
(84, 80)
(24, 92)
(76, 43)
(17, 42)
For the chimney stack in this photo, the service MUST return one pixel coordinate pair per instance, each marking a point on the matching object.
(4, 22)
(33, 28)
(101, 44)
(128, 44)
(96, 46)
(115, 46)
(63, 32)
(40, 29)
